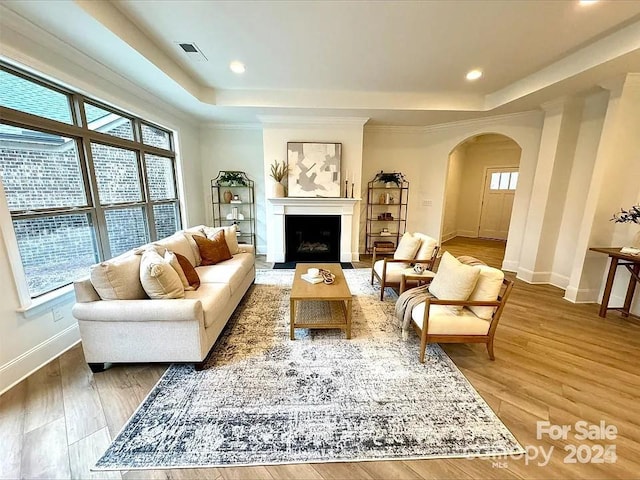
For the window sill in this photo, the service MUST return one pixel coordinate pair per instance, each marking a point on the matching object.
(43, 304)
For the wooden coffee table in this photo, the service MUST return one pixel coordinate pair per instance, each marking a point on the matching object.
(338, 291)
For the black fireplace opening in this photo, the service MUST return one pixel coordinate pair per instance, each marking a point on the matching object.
(314, 238)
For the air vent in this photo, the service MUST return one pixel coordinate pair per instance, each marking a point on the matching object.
(191, 51)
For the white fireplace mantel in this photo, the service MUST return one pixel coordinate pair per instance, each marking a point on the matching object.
(279, 207)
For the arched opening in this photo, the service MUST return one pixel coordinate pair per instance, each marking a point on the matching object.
(482, 179)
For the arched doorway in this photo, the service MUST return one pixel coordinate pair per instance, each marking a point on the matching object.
(482, 178)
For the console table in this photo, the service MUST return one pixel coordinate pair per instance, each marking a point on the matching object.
(631, 263)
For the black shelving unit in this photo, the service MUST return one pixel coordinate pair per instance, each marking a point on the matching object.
(240, 212)
(386, 210)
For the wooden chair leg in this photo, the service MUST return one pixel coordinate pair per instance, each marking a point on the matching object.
(381, 291)
(490, 349)
(423, 348)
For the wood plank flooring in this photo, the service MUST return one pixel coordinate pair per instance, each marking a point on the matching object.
(555, 362)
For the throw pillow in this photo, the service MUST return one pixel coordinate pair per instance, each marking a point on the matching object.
(189, 271)
(158, 277)
(213, 251)
(190, 236)
(427, 244)
(454, 280)
(407, 247)
(487, 289)
(230, 235)
(118, 278)
(175, 264)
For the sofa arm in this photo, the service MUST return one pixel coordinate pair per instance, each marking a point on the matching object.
(140, 310)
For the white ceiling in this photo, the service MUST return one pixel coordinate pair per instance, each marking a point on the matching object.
(400, 63)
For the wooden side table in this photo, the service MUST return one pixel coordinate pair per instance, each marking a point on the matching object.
(632, 264)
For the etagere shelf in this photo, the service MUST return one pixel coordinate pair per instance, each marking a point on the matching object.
(386, 218)
(233, 203)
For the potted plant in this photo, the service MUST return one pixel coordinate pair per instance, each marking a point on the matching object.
(279, 173)
(632, 215)
(233, 179)
(389, 177)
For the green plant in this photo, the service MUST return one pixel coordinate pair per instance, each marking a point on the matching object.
(627, 216)
(279, 172)
(232, 178)
(389, 177)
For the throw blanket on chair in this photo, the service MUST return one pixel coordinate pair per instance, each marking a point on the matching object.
(405, 304)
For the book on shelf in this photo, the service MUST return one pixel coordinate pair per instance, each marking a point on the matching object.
(235, 201)
(309, 279)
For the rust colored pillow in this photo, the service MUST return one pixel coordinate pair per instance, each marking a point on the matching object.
(189, 271)
(213, 251)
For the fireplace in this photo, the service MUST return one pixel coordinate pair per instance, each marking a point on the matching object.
(314, 238)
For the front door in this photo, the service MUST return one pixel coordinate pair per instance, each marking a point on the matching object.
(497, 202)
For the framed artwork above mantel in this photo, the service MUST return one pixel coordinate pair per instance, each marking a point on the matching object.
(314, 169)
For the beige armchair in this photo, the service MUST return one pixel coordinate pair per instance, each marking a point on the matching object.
(453, 318)
(412, 248)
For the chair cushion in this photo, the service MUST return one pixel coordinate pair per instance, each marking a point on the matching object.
(407, 247)
(118, 278)
(454, 280)
(487, 289)
(427, 244)
(158, 278)
(443, 321)
(394, 270)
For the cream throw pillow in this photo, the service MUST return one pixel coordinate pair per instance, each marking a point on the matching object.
(158, 277)
(454, 280)
(407, 247)
(173, 261)
(229, 236)
(194, 246)
(427, 244)
(487, 289)
(118, 278)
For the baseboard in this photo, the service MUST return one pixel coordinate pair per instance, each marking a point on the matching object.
(448, 236)
(510, 265)
(557, 280)
(21, 367)
(583, 295)
(467, 234)
(533, 277)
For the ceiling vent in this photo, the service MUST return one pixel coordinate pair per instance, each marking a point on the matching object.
(191, 51)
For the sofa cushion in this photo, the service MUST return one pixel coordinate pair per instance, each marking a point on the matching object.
(230, 235)
(118, 278)
(213, 251)
(487, 289)
(212, 296)
(178, 243)
(158, 277)
(175, 264)
(231, 272)
(443, 321)
(454, 280)
(189, 271)
(407, 247)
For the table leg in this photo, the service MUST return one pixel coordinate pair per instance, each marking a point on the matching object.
(292, 318)
(608, 286)
(631, 289)
(348, 314)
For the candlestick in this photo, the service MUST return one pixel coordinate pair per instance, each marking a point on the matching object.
(352, 184)
(346, 189)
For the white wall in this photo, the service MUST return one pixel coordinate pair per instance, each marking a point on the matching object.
(235, 148)
(489, 151)
(452, 192)
(27, 342)
(277, 131)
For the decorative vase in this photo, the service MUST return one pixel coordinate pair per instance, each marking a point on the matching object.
(227, 196)
(278, 190)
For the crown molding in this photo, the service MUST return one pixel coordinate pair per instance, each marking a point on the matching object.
(312, 120)
(400, 129)
(232, 126)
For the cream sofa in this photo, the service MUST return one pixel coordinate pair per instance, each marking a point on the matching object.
(139, 329)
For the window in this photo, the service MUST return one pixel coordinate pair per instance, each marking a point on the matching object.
(79, 188)
(504, 181)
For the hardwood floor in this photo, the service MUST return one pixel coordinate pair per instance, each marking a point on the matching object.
(555, 362)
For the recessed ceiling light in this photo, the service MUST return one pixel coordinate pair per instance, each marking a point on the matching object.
(588, 2)
(237, 67)
(474, 74)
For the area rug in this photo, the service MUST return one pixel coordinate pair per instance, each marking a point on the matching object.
(264, 399)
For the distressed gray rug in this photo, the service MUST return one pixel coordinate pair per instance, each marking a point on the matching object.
(264, 399)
